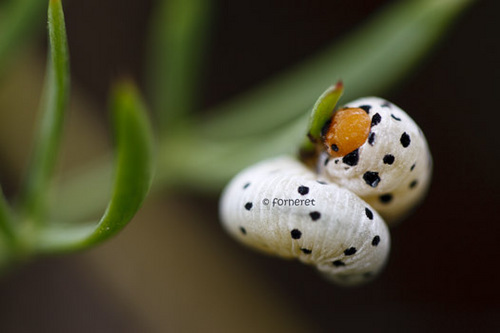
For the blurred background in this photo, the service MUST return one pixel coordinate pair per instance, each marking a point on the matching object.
(173, 269)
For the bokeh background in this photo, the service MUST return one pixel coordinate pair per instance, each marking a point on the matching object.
(173, 269)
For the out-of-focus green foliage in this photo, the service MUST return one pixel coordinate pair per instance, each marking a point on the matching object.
(396, 37)
(27, 231)
(19, 19)
(178, 38)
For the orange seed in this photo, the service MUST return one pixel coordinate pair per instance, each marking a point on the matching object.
(348, 131)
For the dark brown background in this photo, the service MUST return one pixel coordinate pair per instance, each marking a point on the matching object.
(443, 273)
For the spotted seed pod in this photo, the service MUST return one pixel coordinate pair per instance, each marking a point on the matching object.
(360, 164)
(279, 207)
(391, 168)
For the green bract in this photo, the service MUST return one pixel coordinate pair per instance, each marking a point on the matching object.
(323, 110)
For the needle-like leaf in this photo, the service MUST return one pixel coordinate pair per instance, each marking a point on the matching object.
(133, 175)
(54, 102)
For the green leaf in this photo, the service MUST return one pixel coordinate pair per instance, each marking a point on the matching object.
(368, 61)
(133, 176)
(178, 41)
(323, 109)
(54, 103)
(19, 19)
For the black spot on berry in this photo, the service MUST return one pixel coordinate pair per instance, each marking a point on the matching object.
(246, 185)
(321, 182)
(303, 190)
(405, 140)
(371, 138)
(350, 251)
(371, 178)
(338, 263)
(315, 215)
(243, 230)
(386, 105)
(326, 161)
(386, 198)
(306, 251)
(388, 159)
(413, 184)
(413, 166)
(369, 213)
(376, 119)
(334, 147)
(296, 234)
(248, 205)
(337, 161)
(375, 240)
(366, 108)
(395, 118)
(352, 158)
